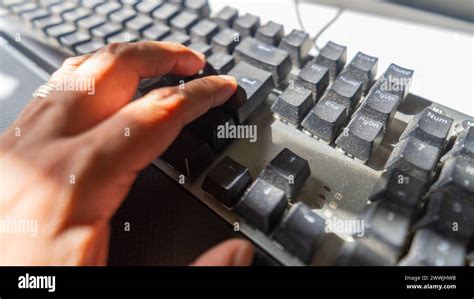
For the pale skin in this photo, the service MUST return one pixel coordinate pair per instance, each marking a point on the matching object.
(70, 134)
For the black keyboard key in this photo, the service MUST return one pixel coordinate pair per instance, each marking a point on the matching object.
(399, 187)
(287, 171)
(91, 4)
(91, 22)
(131, 3)
(315, 78)
(387, 227)
(298, 44)
(254, 86)
(156, 32)
(430, 127)
(139, 23)
(75, 15)
(414, 157)
(262, 205)
(300, 232)
(428, 248)
(74, 39)
(36, 14)
(380, 106)
(212, 127)
(178, 37)
(361, 137)
(204, 31)
(227, 181)
(362, 68)
(148, 84)
(396, 80)
(348, 88)
(463, 146)
(449, 214)
(264, 57)
(148, 6)
(198, 7)
(60, 30)
(456, 175)
(122, 15)
(89, 47)
(9, 4)
(325, 120)
(184, 21)
(172, 80)
(63, 7)
(188, 154)
(360, 254)
(246, 25)
(107, 8)
(226, 17)
(165, 13)
(45, 23)
(333, 56)
(48, 3)
(219, 63)
(23, 8)
(225, 41)
(106, 30)
(332, 96)
(123, 37)
(293, 104)
(270, 33)
(201, 48)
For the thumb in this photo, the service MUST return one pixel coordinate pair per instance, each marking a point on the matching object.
(233, 252)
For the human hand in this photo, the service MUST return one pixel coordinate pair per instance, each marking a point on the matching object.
(67, 164)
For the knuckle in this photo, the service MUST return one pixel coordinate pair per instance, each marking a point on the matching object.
(70, 61)
(210, 87)
(161, 93)
(174, 47)
(208, 83)
(115, 49)
(164, 104)
(156, 93)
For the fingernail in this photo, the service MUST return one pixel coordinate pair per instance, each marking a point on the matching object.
(231, 90)
(244, 255)
(199, 54)
(228, 78)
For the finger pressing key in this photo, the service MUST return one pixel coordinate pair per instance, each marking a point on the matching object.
(142, 130)
(112, 76)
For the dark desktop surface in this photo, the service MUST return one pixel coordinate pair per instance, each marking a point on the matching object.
(161, 224)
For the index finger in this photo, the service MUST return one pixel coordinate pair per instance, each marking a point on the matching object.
(143, 59)
(114, 73)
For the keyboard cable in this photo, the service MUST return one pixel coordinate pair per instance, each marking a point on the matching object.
(321, 31)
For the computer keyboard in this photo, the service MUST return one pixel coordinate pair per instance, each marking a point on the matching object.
(318, 160)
